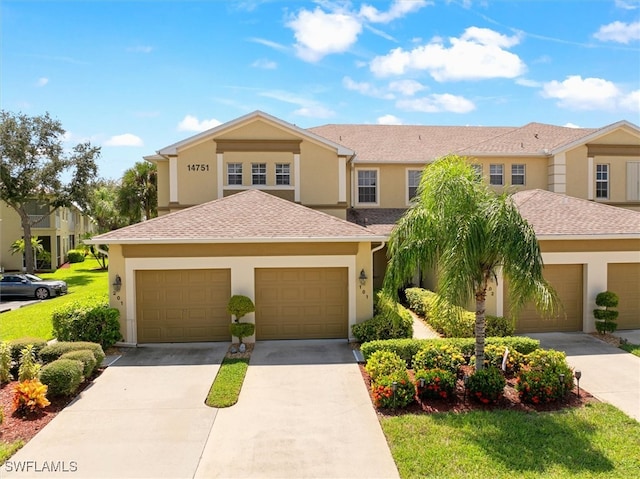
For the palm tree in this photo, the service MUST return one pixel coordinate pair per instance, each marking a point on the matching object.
(466, 232)
(138, 193)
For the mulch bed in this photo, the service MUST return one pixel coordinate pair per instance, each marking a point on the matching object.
(462, 402)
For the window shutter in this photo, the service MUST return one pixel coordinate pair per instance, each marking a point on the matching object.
(633, 181)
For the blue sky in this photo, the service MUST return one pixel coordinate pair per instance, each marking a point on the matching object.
(134, 77)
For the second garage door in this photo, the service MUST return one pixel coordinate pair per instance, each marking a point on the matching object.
(624, 280)
(567, 281)
(302, 303)
(183, 305)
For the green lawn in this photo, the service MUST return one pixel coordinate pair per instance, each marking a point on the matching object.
(7, 449)
(84, 280)
(631, 348)
(596, 441)
(226, 387)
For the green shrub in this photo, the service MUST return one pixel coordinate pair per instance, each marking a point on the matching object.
(442, 356)
(420, 300)
(450, 321)
(29, 365)
(241, 330)
(17, 345)
(540, 380)
(75, 256)
(87, 321)
(383, 392)
(5, 363)
(486, 385)
(435, 384)
(384, 363)
(391, 321)
(86, 357)
(407, 348)
(499, 326)
(62, 376)
(239, 306)
(55, 350)
(605, 316)
(494, 354)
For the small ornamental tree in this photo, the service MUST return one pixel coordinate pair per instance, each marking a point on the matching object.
(239, 306)
(605, 316)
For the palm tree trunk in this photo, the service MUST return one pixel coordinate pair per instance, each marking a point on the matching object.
(481, 297)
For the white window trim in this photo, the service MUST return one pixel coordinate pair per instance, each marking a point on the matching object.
(357, 192)
(524, 174)
(260, 174)
(489, 177)
(407, 200)
(288, 175)
(608, 181)
(241, 173)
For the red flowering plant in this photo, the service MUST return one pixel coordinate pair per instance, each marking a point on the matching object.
(393, 391)
(435, 384)
(546, 378)
(487, 385)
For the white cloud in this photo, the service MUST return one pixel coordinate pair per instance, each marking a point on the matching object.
(318, 33)
(480, 53)
(191, 123)
(437, 103)
(571, 125)
(627, 4)
(365, 88)
(389, 120)
(269, 43)
(314, 111)
(42, 81)
(577, 93)
(528, 83)
(308, 108)
(127, 139)
(140, 49)
(619, 32)
(406, 87)
(398, 9)
(265, 64)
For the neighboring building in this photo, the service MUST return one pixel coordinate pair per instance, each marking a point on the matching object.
(363, 176)
(59, 231)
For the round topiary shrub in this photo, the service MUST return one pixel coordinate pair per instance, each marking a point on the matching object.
(239, 306)
(435, 384)
(242, 330)
(443, 356)
(384, 363)
(487, 385)
(605, 316)
(75, 256)
(62, 376)
(393, 391)
(86, 357)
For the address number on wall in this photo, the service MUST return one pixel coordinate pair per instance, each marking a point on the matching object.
(198, 167)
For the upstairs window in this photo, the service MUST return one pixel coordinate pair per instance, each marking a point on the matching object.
(602, 181)
(258, 173)
(413, 180)
(517, 175)
(234, 173)
(367, 186)
(283, 174)
(496, 175)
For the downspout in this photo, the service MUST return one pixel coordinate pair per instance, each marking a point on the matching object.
(373, 251)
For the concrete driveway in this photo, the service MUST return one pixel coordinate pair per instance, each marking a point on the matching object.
(610, 374)
(303, 412)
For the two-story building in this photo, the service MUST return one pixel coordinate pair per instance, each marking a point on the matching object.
(297, 219)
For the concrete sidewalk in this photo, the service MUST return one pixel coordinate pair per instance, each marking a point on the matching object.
(610, 374)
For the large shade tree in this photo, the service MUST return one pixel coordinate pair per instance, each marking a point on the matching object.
(467, 233)
(34, 166)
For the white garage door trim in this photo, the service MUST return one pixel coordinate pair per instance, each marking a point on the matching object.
(242, 276)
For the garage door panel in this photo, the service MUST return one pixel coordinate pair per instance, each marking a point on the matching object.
(296, 303)
(182, 305)
(624, 280)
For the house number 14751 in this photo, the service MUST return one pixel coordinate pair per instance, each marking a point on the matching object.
(198, 167)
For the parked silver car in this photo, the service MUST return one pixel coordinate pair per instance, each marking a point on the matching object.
(30, 286)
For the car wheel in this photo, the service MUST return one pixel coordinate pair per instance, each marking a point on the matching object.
(42, 293)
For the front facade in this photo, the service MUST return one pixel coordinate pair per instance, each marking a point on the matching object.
(305, 282)
(59, 231)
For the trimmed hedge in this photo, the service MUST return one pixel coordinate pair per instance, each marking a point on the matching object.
(407, 348)
(93, 321)
(391, 321)
(62, 376)
(75, 256)
(17, 345)
(55, 350)
(86, 357)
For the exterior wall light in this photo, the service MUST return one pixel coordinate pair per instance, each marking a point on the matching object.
(363, 277)
(117, 283)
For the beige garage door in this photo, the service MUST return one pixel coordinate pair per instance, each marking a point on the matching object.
(182, 306)
(301, 303)
(624, 280)
(567, 281)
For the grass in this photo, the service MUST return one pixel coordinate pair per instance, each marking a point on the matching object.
(595, 441)
(226, 387)
(84, 280)
(631, 348)
(8, 449)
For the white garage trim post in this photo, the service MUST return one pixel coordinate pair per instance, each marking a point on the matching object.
(173, 179)
(220, 173)
(242, 276)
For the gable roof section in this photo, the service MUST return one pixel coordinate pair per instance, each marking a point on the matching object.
(250, 216)
(595, 134)
(557, 216)
(209, 134)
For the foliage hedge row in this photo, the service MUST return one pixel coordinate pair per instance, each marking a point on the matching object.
(390, 321)
(55, 350)
(453, 321)
(75, 256)
(92, 321)
(62, 376)
(407, 348)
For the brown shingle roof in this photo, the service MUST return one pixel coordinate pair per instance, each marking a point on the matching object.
(251, 215)
(380, 221)
(553, 214)
(409, 143)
